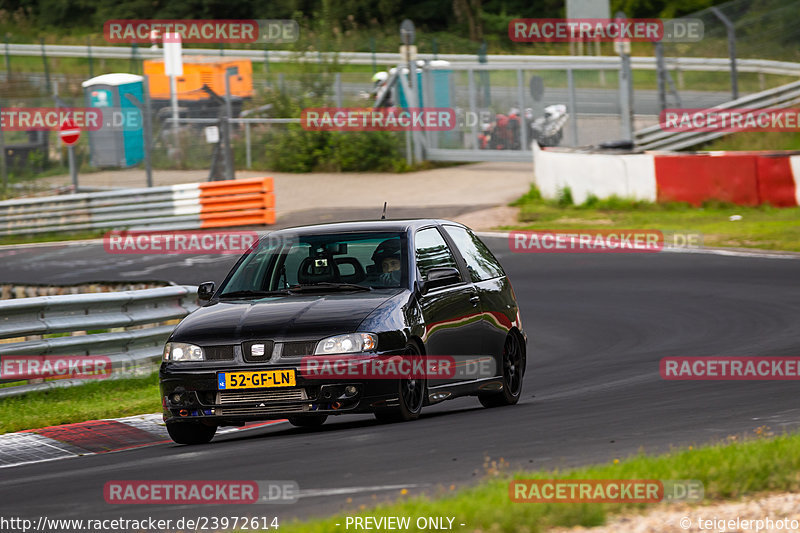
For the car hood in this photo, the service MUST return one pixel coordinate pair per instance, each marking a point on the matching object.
(301, 316)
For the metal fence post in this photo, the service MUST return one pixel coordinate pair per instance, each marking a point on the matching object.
(572, 106)
(660, 75)
(8, 62)
(337, 89)
(731, 49)
(3, 170)
(266, 63)
(427, 95)
(134, 50)
(228, 156)
(473, 105)
(372, 51)
(89, 54)
(148, 133)
(248, 153)
(46, 69)
(523, 125)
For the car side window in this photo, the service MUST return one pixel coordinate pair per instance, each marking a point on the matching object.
(481, 264)
(432, 251)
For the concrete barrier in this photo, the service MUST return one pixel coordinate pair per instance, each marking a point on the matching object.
(214, 204)
(743, 178)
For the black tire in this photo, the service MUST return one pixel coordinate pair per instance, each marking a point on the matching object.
(513, 372)
(411, 393)
(191, 432)
(308, 421)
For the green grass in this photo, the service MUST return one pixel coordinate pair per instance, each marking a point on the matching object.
(764, 227)
(51, 237)
(728, 470)
(757, 140)
(94, 400)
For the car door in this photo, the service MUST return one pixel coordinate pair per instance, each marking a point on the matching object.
(451, 313)
(494, 290)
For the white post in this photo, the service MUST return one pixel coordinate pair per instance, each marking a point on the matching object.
(173, 67)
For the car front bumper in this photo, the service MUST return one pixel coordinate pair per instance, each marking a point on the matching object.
(189, 392)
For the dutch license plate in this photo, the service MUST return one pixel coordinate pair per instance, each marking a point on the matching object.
(258, 379)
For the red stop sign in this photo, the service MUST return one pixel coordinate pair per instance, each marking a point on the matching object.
(69, 132)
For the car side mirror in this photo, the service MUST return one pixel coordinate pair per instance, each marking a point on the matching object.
(206, 290)
(440, 277)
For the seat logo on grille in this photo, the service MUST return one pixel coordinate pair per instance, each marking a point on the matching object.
(257, 350)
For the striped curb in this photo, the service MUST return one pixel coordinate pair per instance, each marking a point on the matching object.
(89, 438)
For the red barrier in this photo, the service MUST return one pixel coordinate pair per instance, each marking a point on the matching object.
(695, 178)
(775, 181)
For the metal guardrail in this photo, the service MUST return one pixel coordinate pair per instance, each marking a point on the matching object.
(128, 350)
(385, 58)
(655, 138)
(187, 206)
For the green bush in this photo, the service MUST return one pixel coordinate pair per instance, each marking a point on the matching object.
(298, 150)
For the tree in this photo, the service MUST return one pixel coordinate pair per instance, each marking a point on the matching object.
(471, 11)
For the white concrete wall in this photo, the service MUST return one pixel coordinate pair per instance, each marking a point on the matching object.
(794, 162)
(627, 176)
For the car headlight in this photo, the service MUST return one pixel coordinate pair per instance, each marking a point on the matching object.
(350, 343)
(180, 351)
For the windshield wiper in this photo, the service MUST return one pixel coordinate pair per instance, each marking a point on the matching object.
(250, 294)
(328, 286)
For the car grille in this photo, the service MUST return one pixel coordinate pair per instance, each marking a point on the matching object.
(247, 351)
(229, 397)
(298, 348)
(257, 410)
(218, 353)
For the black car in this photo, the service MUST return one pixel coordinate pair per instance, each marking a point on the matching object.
(361, 290)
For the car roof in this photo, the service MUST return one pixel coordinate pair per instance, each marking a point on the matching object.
(367, 225)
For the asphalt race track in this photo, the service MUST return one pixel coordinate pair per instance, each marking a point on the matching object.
(597, 325)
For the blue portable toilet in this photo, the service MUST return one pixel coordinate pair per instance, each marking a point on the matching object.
(120, 140)
(440, 82)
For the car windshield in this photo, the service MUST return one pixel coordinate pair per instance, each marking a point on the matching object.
(331, 262)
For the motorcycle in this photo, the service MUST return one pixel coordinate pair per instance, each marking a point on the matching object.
(504, 132)
(549, 129)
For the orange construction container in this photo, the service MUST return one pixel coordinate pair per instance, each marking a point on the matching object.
(199, 71)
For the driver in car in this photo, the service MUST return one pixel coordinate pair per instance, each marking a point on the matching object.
(387, 258)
